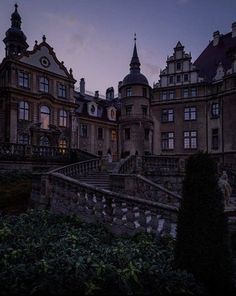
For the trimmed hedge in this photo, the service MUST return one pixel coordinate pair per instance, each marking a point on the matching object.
(45, 253)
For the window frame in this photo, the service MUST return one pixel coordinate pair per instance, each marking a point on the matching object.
(83, 130)
(100, 133)
(167, 115)
(188, 113)
(43, 116)
(213, 109)
(62, 91)
(215, 139)
(43, 84)
(63, 118)
(23, 110)
(167, 141)
(188, 140)
(23, 79)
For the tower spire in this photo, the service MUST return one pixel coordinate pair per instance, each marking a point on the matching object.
(135, 64)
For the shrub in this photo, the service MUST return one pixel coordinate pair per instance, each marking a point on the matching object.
(202, 245)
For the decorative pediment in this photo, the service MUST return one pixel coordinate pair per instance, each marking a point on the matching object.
(43, 56)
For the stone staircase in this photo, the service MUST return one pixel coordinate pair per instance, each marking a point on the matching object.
(97, 179)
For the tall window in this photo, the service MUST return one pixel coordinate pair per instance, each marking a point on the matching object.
(185, 77)
(127, 133)
(63, 118)
(171, 95)
(178, 66)
(45, 117)
(193, 91)
(144, 110)
(24, 110)
(128, 110)
(163, 95)
(44, 141)
(190, 113)
(171, 79)
(190, 140)
(23, 139)
(83, 130)
(61, 90)
(185, 92)
(146, 134)
(178, 78)
(144, 92)
(167, 115)
(63, 143)
(43, 84)
(100, 133)
(113, 135)
(128, 92)
(215, 110)
(23, 79)
(215, 138)
(167, 141)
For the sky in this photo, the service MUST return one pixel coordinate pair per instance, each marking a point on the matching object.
(96, 37)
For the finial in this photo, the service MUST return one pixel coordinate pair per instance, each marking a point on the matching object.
(44, 38)
(134, 37)
(71, 71)
(16, 6)
(36, 42)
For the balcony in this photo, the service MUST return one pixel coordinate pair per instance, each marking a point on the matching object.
(135, 117)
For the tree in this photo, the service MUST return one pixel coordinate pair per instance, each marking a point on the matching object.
(202, 243)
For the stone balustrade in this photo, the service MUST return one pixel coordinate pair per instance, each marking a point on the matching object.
(128, 165)
(121, 214)
(162, 164)
(137, 185)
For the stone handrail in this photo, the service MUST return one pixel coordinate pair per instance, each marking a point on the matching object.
(137, 185)
(128, 165)
(121, 214)
(80, 168)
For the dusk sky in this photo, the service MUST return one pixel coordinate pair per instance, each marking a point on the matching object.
(95, 37)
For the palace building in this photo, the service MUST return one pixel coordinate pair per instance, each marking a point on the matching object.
(191, 108)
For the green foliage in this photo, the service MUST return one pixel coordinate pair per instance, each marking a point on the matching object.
(15, 189)
(45, 253)
(202, 245)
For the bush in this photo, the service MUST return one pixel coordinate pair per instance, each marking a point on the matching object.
(57, 255)
(202, 245)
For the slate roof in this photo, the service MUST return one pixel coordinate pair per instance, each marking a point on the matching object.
(211, 56)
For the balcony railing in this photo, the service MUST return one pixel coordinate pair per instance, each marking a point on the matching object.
(135, 116)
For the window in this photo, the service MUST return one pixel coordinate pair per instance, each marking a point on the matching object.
(127, 133)
(185, 77)
(44, 141)
(23, 79)
(146, 134)
(185, 92)
(44, 117)
(128, 92)
(144, 110)
(215, 110)
(113, 135)
(178, 78)
(163, 95)
(190, 140)
(83, 130)
(63, 118)
(171, 95)
(178, 66)
(100, 133)
(193, 92)
(128, 110)
(190, 113)
(23, 139)
(61, 90)
(92, 109)
(167, 141)
(167, 115)
(113, 114)
(171, 79)
(144, 92)
(215, 138)
(43, 84)
(63, 144)
(24, 110)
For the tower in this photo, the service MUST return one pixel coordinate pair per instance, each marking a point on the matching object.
(136, 125)
(15, 39)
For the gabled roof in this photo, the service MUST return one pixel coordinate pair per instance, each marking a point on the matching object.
(211, 56)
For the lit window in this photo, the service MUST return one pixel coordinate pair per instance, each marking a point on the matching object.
(24, 110)
(63, 118)
(167, 141)
(113, 135)
(167, 115)
(63, 144)
(45, 117)
(43, 84)
(215, 110)
(23, 79)
(100, 133)
(215, 138)
(128, 92)
(127, 133)
(190, 140)
(23, 139)
(44, 141)
(83, 130)
(61, 90)
(190, 113)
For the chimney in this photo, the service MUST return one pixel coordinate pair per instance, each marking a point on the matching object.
(96, 94)
(110, 93)
(233, 29)
(216, 38)
(82, 86)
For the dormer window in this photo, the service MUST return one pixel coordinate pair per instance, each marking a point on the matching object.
(61, 90)
(128, 92)
(92, 109)
(43, 84)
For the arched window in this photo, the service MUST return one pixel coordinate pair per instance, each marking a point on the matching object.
(44, 141)
(44, 117)
(63, 118)
(43, 84)
(24, 110)
(23, 139)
